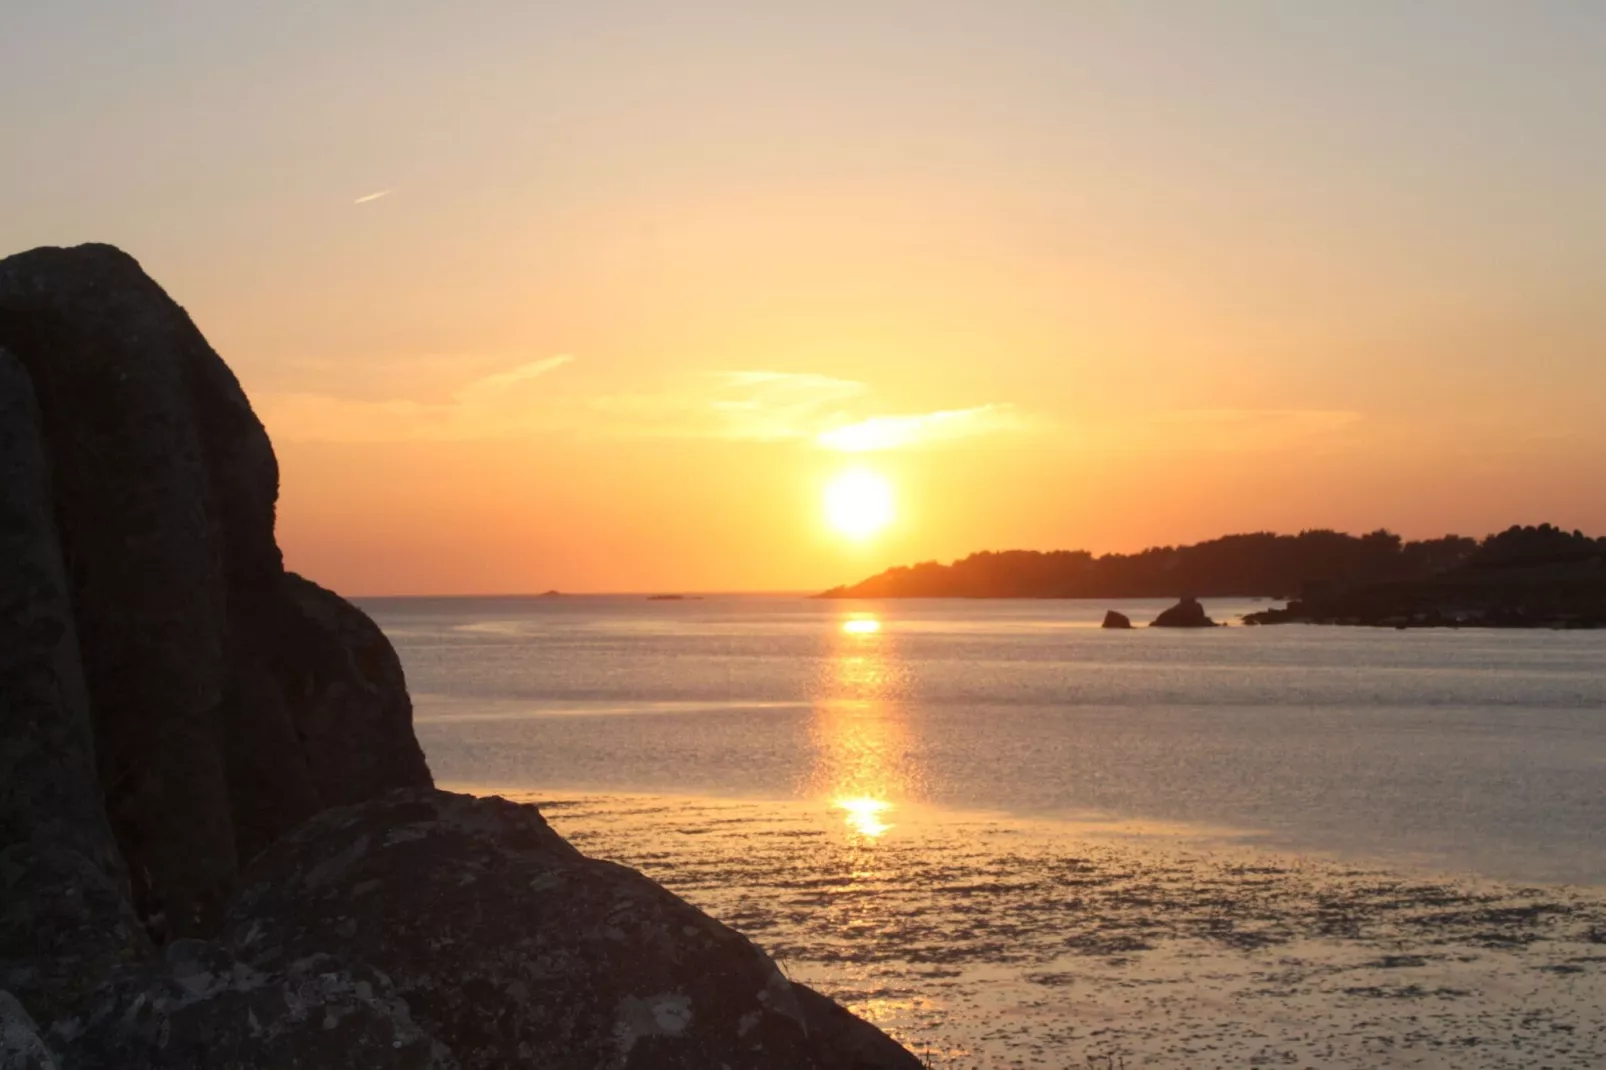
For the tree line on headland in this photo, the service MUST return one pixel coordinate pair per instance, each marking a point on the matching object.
(1261, 564)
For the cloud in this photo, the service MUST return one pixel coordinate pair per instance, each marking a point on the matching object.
(770, 406)
(745, 406)
(495, 406)
(916, 429)
(735, 406)
(494, 386)
(365, 198)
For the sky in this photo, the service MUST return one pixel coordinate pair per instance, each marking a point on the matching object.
(621, 296)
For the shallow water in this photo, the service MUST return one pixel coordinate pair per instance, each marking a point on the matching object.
(1013, 839)
(1468, 752)
(988, 941)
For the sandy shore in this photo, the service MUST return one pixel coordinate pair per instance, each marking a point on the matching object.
(991, 942)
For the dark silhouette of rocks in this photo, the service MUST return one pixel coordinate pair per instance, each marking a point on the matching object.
(1264, 564)
(1112, 619)
(1187, 613)
(211, 676)
(1523, 577)
(66, 915)
(178, 716)
(1539, 576)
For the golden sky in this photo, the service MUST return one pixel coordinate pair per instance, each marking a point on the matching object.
(607, 296)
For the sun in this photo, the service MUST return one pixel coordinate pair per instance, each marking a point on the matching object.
(858, 503)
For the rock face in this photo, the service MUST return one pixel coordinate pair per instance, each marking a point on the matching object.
(205, 674)
(1112, 619)
(472, 935)
(1187, 613)
(219, 841)
(64, 913)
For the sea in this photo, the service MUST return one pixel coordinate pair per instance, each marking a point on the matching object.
(1013, 838)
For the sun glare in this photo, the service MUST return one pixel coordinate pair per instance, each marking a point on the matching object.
(858, 503)
(864, 815)
(861, 626)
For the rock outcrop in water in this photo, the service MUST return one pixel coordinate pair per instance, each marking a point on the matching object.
(178, 716)
(1187, 613)
(1112, 619)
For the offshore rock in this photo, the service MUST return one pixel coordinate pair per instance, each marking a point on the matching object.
(1112, 619)
(1187, 613)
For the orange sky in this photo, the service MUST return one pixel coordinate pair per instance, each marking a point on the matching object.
(592, 299)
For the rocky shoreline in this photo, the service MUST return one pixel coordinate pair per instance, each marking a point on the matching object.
(222, 846)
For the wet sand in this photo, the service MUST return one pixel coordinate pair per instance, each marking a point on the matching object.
(984, 941)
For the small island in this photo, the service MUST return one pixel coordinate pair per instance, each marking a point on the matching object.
(1535, 576)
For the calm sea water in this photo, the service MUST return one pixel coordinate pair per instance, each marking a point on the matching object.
(1472, 752)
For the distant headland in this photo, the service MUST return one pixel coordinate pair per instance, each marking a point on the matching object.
(1534, 576)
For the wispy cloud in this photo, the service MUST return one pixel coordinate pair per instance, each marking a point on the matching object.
(496, 406)
(495, 386)
(771, 406)
(365, 198)
(735, 406)
(917, 429)
(750, 406)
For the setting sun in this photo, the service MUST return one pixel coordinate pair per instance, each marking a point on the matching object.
(858, 503)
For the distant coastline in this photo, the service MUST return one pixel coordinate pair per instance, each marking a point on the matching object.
(1525, 576)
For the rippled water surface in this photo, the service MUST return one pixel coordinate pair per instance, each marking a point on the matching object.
(1013, 839)
(1469, 752)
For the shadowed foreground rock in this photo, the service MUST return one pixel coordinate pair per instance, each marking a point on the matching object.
(470, 934)
(178, 716)
(205, 677)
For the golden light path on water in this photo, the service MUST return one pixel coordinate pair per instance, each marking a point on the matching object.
(861, 740)
(982, 940)
(864, 815)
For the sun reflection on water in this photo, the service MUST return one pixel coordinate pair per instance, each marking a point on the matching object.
(864, 815)
(863, 765)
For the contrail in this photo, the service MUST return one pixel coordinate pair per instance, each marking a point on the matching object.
(373, 196)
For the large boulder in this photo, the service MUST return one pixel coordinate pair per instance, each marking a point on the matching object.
(65, 917)
(220, 845)
(21, 1046)
(1187, 613)
(429, 929)
(1112, 619)
(162, 487)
